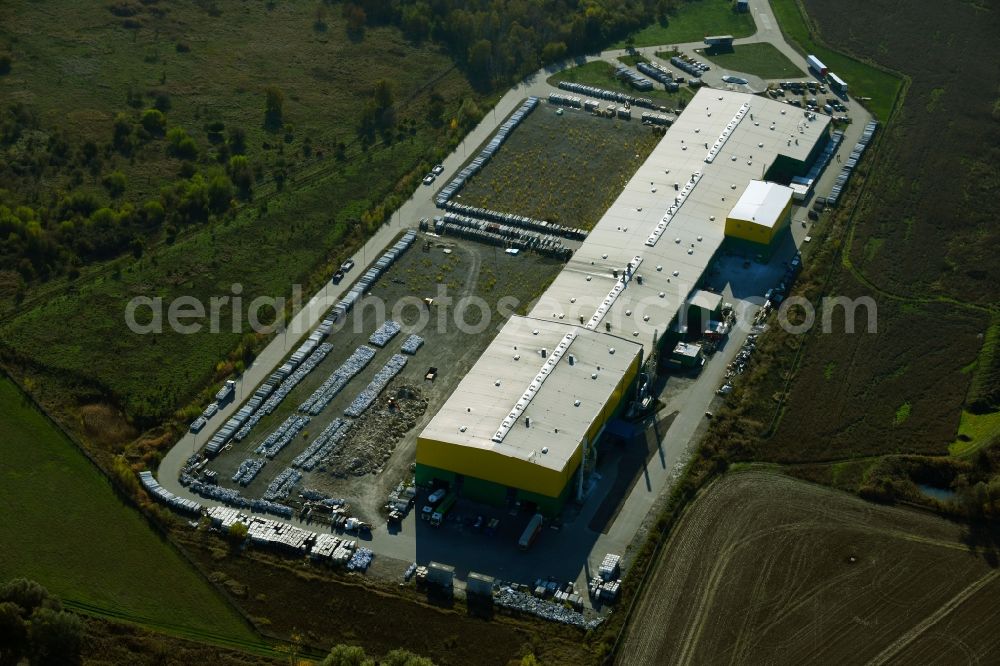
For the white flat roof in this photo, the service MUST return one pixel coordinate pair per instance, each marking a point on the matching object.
(561, 409)
(586, 297)
(761, 203)
(671, 268)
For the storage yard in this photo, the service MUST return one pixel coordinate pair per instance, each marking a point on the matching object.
(359, 394)
(538, 172)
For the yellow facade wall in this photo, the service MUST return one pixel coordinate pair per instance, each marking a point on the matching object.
(514, 472)
(758, 233)
(492, 466)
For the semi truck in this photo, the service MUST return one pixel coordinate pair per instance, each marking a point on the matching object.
(531, 532)
(438, 516)
(816, 65)
(226, 393)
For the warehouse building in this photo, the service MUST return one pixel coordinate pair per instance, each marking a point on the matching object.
(524, 423)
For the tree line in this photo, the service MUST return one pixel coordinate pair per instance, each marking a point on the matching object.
(498, 41)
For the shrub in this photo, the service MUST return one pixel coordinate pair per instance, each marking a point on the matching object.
(114, 183)
(154, 122)
(179, 144)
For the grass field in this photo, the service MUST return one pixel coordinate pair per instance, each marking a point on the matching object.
(760, 59)
(76, 64)
(563, 168)
(64, 527)
(602, 74)
(864, 80)
(692, 21)
(801, 573)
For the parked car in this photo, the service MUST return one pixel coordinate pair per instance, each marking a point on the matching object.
(428, 179)
(438, 169)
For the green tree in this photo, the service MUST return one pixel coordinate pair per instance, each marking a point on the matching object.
(237, 140)
(180, 144)
(220, 192)
(237, 532)
(402, 657)
(274, 108)
(122, 137)
(54, 638)
(241, 175)
(481, 62)
(13, 634)
(347, 655)
(114, 183)
(154, 122)
(28, 595)
(554, 51)
(356, 19)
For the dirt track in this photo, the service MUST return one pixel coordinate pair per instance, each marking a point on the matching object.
(760, 570)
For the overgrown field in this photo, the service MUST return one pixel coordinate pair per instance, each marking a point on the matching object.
(690, 22)
(64, 527)
(323, 609)
(924, 248)
(318, 181)
(565, 168)
(803, 573)
(760, 59)
(601, 74)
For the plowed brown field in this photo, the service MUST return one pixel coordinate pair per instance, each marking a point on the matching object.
(766, 569)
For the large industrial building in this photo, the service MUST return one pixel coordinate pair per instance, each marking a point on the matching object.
(524, 423)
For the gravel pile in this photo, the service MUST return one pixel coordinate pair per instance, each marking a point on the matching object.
(374, 436)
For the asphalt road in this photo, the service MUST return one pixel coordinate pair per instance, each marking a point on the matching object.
(577, 550)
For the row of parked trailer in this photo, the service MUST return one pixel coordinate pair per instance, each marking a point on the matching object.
(337, 380)
(852, 161)
(500, 234)
(623, 111)
(160, 493)
(659, 73)
(233, 497)
(378, 383)
(323, 446)
(365, 283)
(690, 65)
(649, 118)
(270, 394)
(604, 93)
(821, 161)
(471, 169)
(634, 78)
(514, 220)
